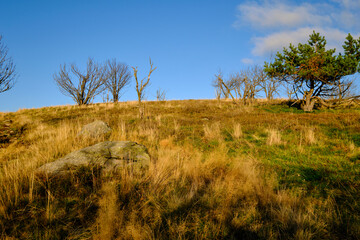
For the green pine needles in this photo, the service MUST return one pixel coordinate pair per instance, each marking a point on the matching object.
(315, 72)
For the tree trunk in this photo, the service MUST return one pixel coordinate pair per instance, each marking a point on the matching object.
(115, 97)
(340, 91)
(308, 101)
(141, 111)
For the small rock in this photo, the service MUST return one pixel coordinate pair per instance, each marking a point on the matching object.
(109, 155)
(95, 129)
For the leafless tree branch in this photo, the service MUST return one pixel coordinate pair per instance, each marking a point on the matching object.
(7, 69)
(89, 84)
(160, 95)
(118, 76)
(140, 86)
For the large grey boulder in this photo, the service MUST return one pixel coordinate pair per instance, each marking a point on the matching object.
(109, 155)
(95, 129)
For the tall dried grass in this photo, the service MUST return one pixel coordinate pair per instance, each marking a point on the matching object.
(309, 134)
(183, 196)
(237, 131)
(190, 191)
(274, 137)
(212, 131)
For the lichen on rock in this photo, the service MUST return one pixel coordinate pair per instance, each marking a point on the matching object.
(95, 129)
(109, 155)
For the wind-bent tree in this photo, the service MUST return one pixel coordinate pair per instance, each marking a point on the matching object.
(221, 87)
(241, 86)
(314, 71)
(7, 69)
(118, 76)
(81, 87)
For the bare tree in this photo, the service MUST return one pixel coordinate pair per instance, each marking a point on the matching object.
(81, 87)
(141, 85)
(218, 84)
(217, 94)
(105, 96)
(160, 94)
(289, 89)
(236, 84)
(254, 79)
(118, 76)
(245, 84)
(345, 88)
(225, 87)
(7, 69)
(269, 85)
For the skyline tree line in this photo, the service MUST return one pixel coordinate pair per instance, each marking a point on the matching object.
(112, 76)
(84, 86)
(308, 71)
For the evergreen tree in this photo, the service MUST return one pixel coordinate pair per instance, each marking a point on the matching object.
(314, 71)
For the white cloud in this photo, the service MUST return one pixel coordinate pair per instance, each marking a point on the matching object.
(347, 19)
(247, 61)
(281, 22)
(349, 3)
(347, 14)
(278, 15)
(264, 46)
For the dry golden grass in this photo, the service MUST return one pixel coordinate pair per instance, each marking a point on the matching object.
(237, 132)
(108, 212)
(230, 189)
(274, 137)
(212, 131)
(309, 134)
(206, 180)
(176, 126)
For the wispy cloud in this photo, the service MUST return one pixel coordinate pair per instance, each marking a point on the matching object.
(270, 44)
(279, 15)
(277, 23)
(247, 61)
(349, 4)
(347, 14)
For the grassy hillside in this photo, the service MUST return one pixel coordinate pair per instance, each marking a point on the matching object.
(218, 171)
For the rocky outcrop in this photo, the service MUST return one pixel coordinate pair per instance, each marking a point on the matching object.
(95, 129)
(109, 155)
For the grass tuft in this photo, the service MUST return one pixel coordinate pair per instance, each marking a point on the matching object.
(274, 137)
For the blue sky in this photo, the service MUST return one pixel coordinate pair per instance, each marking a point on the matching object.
(188, 41)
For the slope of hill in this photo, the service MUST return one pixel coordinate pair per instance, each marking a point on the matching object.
(218, 171)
